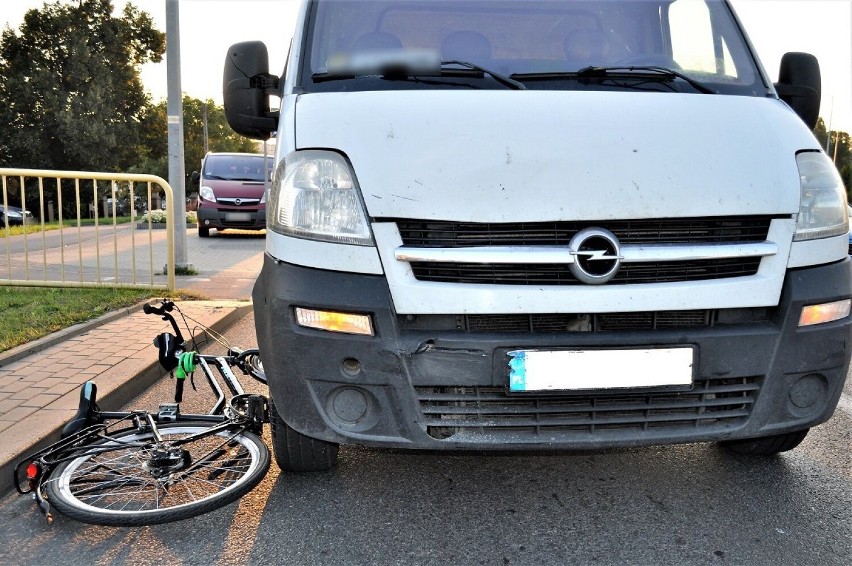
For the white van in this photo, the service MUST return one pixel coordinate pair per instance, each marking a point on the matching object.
(542, 224)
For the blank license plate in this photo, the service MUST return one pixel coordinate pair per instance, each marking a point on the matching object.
(237, 216)
(571, 370)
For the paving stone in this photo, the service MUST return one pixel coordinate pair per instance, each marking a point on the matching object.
(41, 400)
(18, 413)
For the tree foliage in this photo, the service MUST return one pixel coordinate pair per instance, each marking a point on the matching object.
(838, 146)
(70, 85)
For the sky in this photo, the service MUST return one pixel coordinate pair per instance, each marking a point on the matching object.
(209, 27)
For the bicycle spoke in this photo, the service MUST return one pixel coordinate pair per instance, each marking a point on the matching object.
(108, 481)
(150, 483)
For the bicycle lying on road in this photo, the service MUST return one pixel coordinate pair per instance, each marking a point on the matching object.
(142, 468)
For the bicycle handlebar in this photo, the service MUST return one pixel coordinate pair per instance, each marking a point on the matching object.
(179, 390)
(170, 356)
(165, 312)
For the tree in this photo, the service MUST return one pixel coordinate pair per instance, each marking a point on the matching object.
(71, 96)
(839, 150)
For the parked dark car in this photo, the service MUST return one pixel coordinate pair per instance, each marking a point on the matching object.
(15, 216)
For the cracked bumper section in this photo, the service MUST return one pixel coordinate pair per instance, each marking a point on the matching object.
(419, 388)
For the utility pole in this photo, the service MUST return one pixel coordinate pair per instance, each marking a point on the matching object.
(177, 175)
(206, 143)
(828, 133)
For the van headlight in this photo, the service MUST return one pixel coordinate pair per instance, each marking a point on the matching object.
(314, 195)
(206, 193)
(822, 209)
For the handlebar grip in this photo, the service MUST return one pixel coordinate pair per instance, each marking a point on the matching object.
(167, 307)
(165, 312)
(179, 390)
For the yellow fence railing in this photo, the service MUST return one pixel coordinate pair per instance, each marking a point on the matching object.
(85, 229)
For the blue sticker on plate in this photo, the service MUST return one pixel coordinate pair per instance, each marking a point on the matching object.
(518, 371)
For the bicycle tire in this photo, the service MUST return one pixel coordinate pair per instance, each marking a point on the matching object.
(115, 488)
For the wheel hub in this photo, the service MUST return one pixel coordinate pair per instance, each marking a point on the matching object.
(164, 461)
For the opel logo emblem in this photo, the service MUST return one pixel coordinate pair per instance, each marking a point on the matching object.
(238, 202)
(597, 256)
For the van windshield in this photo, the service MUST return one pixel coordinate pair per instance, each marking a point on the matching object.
(234, 167)
(543, 44)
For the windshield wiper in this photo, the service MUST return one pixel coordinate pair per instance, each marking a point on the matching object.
(500, 78)
(663, 72)
(402, 71)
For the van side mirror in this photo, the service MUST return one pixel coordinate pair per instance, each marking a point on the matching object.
(194, 177)
(246, 87)
(800, 85)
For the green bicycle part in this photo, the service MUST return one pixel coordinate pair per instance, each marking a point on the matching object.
(186, 365)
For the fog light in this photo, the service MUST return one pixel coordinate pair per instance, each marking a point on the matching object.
(335, 321)
(825, 312)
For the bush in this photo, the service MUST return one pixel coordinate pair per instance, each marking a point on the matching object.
(159, 216)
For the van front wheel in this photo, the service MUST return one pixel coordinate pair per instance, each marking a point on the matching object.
(203, 232)
(295, 452)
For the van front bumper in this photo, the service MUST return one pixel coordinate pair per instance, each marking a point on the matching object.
(435, 383)
(224, 217)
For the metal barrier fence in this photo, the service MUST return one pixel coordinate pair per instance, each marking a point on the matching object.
(87, 234)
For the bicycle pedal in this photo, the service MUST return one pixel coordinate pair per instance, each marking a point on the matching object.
(168, 413)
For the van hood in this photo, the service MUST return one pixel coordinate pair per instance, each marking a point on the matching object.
(513, 156)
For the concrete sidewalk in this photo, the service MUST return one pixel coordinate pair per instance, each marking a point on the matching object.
(40, 381)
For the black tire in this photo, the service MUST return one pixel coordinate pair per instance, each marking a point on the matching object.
(767, 445)
(295, 452)
(203, 232)
(116, 488)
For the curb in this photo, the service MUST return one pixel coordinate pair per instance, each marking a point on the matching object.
(120, 395)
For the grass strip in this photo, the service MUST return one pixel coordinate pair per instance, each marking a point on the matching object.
(29, 313)
(36, 227)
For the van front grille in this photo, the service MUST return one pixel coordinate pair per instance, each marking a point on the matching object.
(701, 233)
(722, 230)
(556, 274)
(555, 323)
(713, 403)
(551, 323)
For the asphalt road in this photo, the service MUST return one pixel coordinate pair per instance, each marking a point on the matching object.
(691, 504)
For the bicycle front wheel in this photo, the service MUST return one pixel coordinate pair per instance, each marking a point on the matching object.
(128, 480)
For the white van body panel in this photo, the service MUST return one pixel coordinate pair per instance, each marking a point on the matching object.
(645, 156)
(657, 166)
